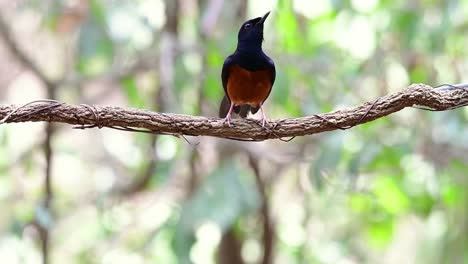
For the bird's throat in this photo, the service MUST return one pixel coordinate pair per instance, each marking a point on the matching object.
(249, 47)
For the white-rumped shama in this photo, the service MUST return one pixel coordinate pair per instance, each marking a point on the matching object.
(248, 74)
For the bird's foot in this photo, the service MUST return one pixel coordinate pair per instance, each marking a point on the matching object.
(227, 120)
(228, 115)
(264, 121)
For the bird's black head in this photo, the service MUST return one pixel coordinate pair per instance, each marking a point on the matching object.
(251, 33)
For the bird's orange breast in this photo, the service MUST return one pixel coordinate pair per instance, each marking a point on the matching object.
(248, 87)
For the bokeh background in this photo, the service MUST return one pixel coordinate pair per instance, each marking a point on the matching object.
(390, 191)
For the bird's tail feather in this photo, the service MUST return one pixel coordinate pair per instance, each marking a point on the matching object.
(242, 110)
(224, 107)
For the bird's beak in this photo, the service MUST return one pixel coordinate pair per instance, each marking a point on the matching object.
(264, 18)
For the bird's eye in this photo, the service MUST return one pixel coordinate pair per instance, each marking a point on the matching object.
(247, 26)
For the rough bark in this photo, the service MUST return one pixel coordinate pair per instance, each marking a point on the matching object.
(249, 129)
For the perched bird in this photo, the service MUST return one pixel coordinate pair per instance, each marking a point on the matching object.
(248, 74)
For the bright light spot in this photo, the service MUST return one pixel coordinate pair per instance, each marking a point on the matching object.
(291, 230)
(156, 215)
(381, 20)
(166, 148)
(192, 62)
(292, 234)
(399, 134)
(356, 35)
(312, 9)
(67, 182)
(364, 6)
(368, 87)
(161, 249)
(443, 67)
(436, 225)
(208, 236)
(125, 25)
(153, 12)
(7, 254)
(20, 139)
(121, 146)
(251, 251)
(96, 64)
(15, 251)
(122, 24)
(116, 219)
(329, 253)
(6, 189)
(259, 8)
(352, 144)
(419, 173)
(397, 76)
(26, 87)
(209, 233)
(432, 18)
(119, 256)
(104, 179)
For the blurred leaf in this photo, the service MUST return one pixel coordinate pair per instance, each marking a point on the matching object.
(327, 160)
(214, 58)
(423, 204)
(360, 203)
(23, 212)
(131, 90)
(223, 191)
(407, 21)
(98, 11)
(287, 27)
(280, 90)
(452, 195)
(95, 48)
(419, 75)
(161, 247)
(292, 108)
(214, 88)
(213, 85)
(318, 30)
(387, 157)
(379, 233)
(390, 196)
(222, 198)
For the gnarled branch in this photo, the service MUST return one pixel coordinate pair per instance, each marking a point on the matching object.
(440, 99)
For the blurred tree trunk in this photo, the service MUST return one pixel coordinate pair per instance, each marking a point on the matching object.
(229, 250)
(268, 232)
(242, 9)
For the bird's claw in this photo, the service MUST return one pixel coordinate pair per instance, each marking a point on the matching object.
(264, 122)
(263, 119)
(227, 120)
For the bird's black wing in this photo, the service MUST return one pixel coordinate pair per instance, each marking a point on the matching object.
(272, 69)
(226, 102)
(228, 62)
